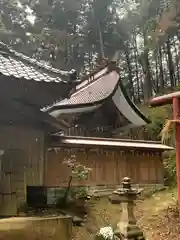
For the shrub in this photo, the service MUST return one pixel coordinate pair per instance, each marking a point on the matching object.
(79, 192)
(170, 168)
(152, 130)
(78, 172)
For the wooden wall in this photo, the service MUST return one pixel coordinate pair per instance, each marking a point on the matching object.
(22, 163)
(108, 167)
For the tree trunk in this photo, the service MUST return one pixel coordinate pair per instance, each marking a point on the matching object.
(129, 72)
(137, 71)
(147, 72)
(101, 40)
(161, 74)
(177, 64)
(170, 63)
(156, 82)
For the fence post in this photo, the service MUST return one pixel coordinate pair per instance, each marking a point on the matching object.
(127, 228)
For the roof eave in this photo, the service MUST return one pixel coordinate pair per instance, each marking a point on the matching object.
(59, 141)
(81, 105)
(57, 124)
(133, 106)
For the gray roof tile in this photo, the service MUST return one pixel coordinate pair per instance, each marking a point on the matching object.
(94, 92)
(18, 65)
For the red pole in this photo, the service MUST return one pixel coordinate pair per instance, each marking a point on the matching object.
(176, 115)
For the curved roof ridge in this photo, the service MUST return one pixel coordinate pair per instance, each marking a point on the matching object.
(5, 49)
(93, 93)
(19, 66)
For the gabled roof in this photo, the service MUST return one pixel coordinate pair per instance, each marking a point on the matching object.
(20, 66)
(91, 94)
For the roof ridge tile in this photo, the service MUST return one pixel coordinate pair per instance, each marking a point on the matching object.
(5, 49)
(18, 65)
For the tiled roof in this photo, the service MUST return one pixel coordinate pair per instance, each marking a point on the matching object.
(18, 65)
(94, 92)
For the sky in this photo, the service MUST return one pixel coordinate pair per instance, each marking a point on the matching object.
(129, 5)
(30, 16)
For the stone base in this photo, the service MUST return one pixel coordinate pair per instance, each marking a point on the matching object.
(129, 231)
(121, 237)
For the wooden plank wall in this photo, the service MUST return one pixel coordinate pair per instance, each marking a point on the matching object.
(31, 142)
(23, 159)
(107, 167)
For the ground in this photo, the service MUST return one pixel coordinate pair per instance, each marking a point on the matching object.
(157, 215)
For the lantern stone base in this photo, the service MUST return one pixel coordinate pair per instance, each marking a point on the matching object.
(128, 232)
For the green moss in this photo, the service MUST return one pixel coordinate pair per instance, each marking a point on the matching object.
(152, 132)
(157, 117)
(170, 168)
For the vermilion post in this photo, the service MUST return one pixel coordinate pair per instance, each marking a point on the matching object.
(176, 116)
(172, 98)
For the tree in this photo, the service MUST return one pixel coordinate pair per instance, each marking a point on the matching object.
(79, 34)
(13, 22)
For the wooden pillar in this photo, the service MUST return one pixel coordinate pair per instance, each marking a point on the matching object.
(176, 116)
(172, 98)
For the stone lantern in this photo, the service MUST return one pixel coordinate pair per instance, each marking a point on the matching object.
(127, 226)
